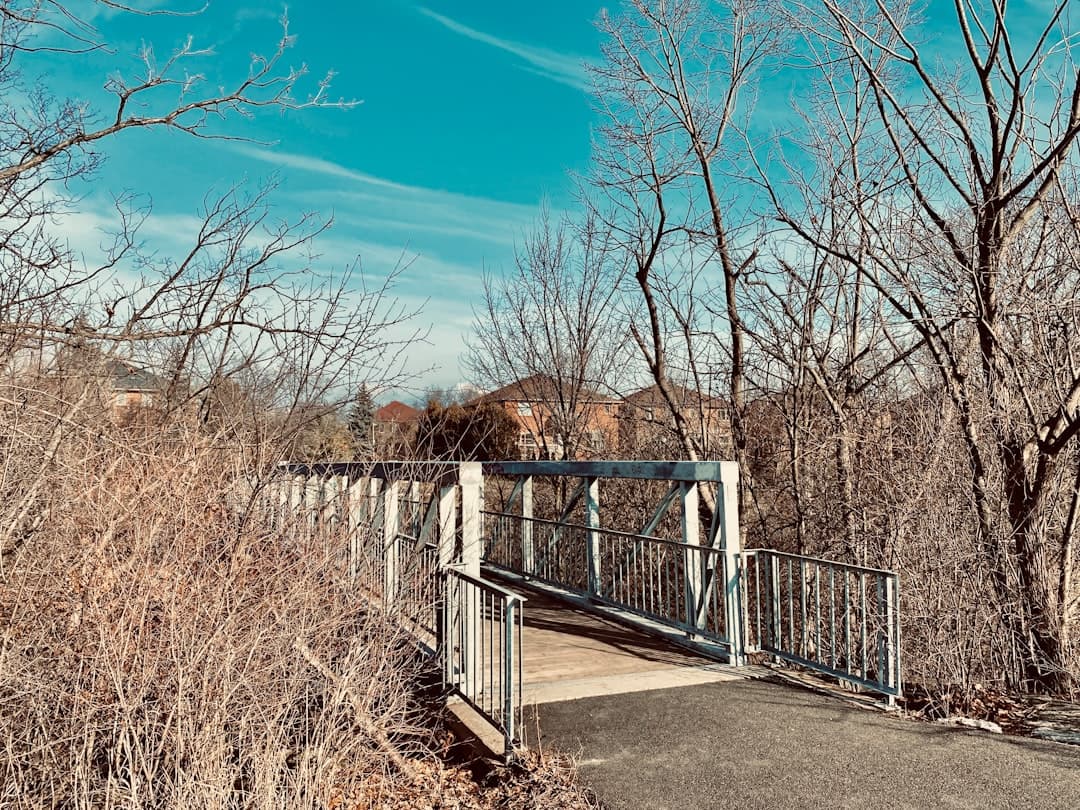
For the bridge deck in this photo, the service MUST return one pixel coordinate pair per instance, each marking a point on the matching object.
(569, 653)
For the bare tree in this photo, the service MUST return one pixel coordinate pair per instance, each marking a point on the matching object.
(674, 85)
(247, 304)
(833, 357)
(551, 327)
(970, 236)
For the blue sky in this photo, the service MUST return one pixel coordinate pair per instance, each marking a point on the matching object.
(472, 114)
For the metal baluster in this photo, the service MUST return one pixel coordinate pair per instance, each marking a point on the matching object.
(757, 598)
(832, 616)
(817, 612)
(862, 610)
(847, 622)
(791, 606)
(804, 630)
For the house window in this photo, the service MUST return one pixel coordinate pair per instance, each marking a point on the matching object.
(524, 409)
(121, 399)
(527, 439)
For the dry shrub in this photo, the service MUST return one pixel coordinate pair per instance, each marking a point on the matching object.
(162, 648)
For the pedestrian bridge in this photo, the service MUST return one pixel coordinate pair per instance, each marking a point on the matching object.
(540, 582)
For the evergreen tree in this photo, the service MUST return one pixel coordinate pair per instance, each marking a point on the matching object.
(362, 423)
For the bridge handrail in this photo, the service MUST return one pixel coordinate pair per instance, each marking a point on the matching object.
(486, 584)
(749, 552)
(602, 530)
(838, 618)
(684, 471)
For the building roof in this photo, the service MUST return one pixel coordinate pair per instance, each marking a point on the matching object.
(126, 376)
(539, 388)
(396, 411)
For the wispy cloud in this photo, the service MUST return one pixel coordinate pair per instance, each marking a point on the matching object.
(442, 240)
(306, 163)
(435, 287)
(559, 67)
(376, 203)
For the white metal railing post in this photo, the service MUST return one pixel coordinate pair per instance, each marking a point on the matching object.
(728, 502)
(528, 555)
(374, 503)
(449, 604)
(509, 676)
(470, 483)
(592, 538)
(390, 496)
(296, 501)
(328, 515)
(415, 517)
(449, 645)
(312, 488)
(282, 489)
(692, 569)
(894, 613)
(775, 627)
(448, 496)
(889, 637)
(357, 497)
(470, 479)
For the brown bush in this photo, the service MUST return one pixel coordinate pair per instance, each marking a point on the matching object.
(163, 648)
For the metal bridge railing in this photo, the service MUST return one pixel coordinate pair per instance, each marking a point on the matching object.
(411, 534)
(676, 584)
(408, 536)
(545, 550)
(836, 618)
(481, 636)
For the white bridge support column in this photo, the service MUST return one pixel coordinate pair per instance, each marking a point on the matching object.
(471, 481)
(296, 502)
(447, 523)
(330, 517)
(449, 609)
(462, 621)
(692, 567)
(281, 504)
(312, 505)
(731, 542)
(591, 491)
(414, 508)
(528, 552)
(888, 645)
(390, 497)
(357, 506)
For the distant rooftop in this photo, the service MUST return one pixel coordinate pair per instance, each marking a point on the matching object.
(396, 411)
(685, 397)
(127, 376)
(538, 388)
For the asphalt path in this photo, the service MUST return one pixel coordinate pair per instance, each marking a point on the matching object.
(756, 744)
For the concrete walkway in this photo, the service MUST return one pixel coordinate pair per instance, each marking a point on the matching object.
(756, 744)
